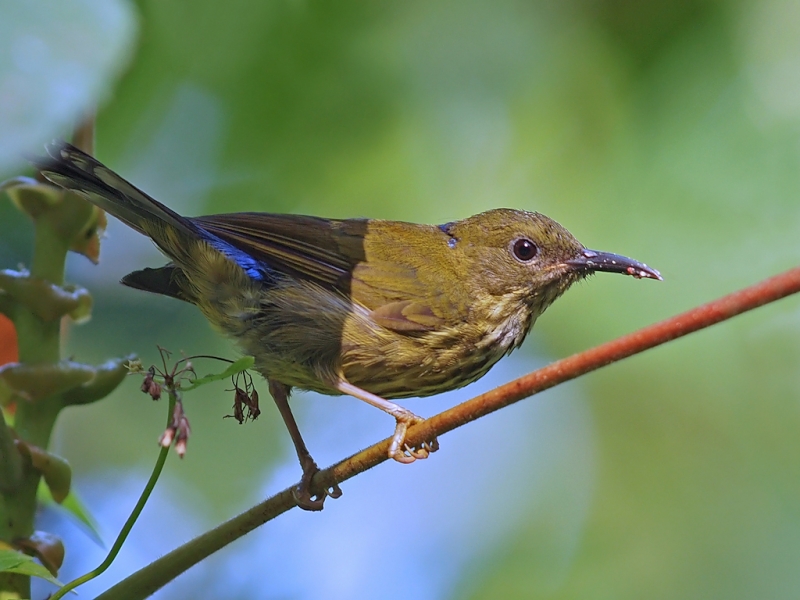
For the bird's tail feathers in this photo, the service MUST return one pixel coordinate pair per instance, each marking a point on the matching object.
(73, 169)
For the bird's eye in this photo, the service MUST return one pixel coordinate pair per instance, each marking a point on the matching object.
(524, 249)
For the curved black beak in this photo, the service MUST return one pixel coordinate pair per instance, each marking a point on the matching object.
(592, 260)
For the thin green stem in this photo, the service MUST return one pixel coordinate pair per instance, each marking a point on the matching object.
(126, 529)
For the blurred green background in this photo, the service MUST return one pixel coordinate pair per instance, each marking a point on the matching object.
(665, 130)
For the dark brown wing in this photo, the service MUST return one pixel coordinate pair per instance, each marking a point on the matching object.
(322, 250)
(332, 253)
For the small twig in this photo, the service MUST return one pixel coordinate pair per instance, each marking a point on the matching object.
(209, 356)
(152, 577)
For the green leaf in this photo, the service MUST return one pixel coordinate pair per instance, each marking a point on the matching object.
(55, 470)
(12, 561)
(244, 363)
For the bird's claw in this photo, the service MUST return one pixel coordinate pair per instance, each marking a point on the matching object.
(415, 453)
(402, 452)
(424, 450)
(302, 493)
(306, 500)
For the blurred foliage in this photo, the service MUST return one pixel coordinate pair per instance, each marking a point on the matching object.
(56, 60)
(664, 130)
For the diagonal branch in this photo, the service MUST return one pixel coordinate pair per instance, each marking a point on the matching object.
(149, 579)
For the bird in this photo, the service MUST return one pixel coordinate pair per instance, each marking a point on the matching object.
(379, 310)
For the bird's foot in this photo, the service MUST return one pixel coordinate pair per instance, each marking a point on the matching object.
(303, 495)
(402, 452)
(398, 449)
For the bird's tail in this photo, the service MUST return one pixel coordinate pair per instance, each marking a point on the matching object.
(73, 169)
(195, 251)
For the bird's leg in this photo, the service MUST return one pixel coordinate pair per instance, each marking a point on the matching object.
(302, 493)
(398, 449)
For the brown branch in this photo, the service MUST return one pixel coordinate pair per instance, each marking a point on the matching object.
(149, 579)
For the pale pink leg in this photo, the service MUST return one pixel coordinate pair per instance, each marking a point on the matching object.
(398, 449)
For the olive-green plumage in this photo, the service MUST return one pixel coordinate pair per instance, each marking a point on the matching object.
(407, 315)
(395, 309)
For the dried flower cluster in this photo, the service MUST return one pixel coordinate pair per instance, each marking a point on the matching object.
(245, 401)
